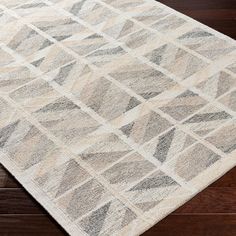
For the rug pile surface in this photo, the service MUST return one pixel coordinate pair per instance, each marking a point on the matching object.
(113, 113)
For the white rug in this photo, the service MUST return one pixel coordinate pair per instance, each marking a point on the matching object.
(113, 113)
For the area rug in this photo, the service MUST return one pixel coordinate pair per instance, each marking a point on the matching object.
(113, 113)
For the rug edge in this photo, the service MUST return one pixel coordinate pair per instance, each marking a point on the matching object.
(39, 196)
(214, 172)
(188, 18)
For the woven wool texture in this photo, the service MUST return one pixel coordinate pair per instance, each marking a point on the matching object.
(113, 113)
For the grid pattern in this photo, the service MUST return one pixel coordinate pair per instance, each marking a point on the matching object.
(113, 113)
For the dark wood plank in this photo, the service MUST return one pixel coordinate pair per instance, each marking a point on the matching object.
(18, 201)
(28, 225)
(7, 180)
(185, 225)
(195, 225)
(212, 200)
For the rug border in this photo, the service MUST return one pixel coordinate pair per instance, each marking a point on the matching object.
(213, 172)
(188, 18)
(71, 229)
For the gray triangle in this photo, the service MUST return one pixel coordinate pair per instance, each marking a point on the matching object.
(128, 217)
(206, 117)
(60, 104)
(61, 37)
(133, 102)
(127, 129)
(63, 73)
(93, 224)
(147, 205)
(149, 95)
(77, 7)
(154, 182)
(45, 44)
(6, 132)
(72, 170)
(163, 145)
(38, 62)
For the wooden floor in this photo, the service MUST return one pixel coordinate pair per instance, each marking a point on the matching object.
(210, 213)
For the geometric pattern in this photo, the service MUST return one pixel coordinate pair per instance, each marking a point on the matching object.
(67, 76)
(62, 178)
(143, 79)
(83, 199)
(28, 8)
(127, 171)
(127, 6)
(229, 100)
(13, 76)
(172, 142)
(146, 127)
(100, 94)
(168, 24)
(11, 4)
(183, 105)
(217, 84)
(91, 12)
(201, 156)
(50, 58)
(206, 44)
(119, 28)
(138, 39)
(151, 190)
(113, 112)
(149, 14)
(63, 118)
(25, 144)
(99, 155)
(27, 41)
(59, 29)
(112, 217)
(5, 58)
(7, 113)
(206, 120)
(185, 64)
(40, 93)
(232, 67)
(105, 54)
(224, 138)
(85, 42)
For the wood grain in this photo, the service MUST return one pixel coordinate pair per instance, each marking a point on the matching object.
(17, 225)
(212, 200)
(211, 213)
(17, 201)
(6, 180)
(195, 225)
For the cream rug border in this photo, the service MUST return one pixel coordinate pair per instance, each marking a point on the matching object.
(200, 182)
(207, 177)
